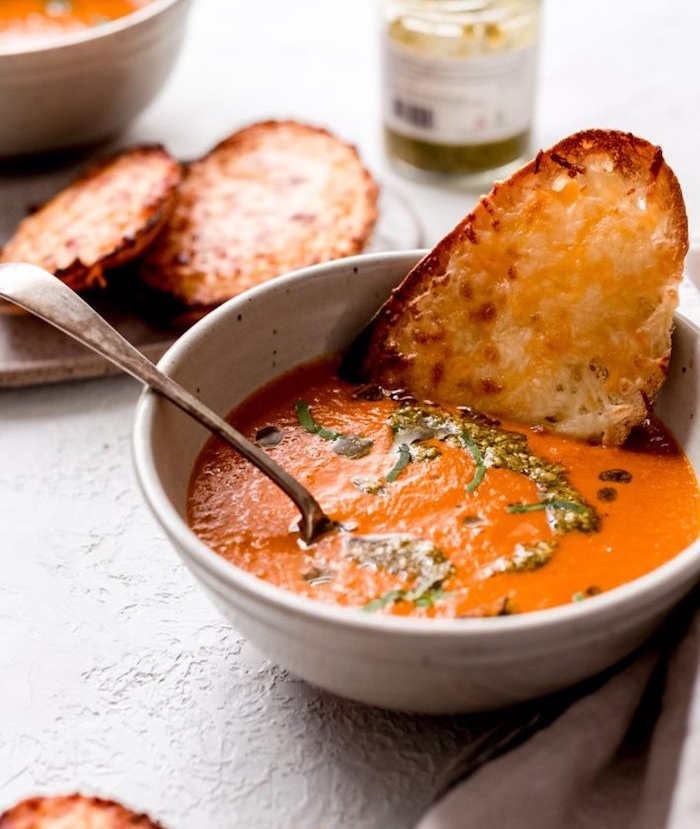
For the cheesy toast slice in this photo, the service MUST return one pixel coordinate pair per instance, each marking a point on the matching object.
(73, 811)
(105, 218)
(551, 303)
(273, 197)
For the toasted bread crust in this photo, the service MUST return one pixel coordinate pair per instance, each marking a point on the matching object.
(73, 811)
(273, 197)
(105, 218)
(552, 302)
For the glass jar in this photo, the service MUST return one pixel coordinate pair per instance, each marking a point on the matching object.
(458, 84)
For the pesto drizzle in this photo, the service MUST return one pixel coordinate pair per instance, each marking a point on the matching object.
(384, 601)
(413, 559)
(401, 463)
(427, 599)
(493, 447)
(478, 459)
(349, 446)
(421, 565)
(525, 557)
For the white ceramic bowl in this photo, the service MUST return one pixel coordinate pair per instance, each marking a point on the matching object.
(410, 664)
(84, 86)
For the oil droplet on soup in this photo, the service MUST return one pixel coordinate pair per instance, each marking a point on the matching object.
(443, 513)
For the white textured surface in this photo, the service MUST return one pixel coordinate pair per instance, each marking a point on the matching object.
(117, 676)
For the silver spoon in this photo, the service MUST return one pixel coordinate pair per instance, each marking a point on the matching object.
(47, 297)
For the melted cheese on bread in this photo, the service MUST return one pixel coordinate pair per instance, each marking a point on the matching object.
(273, 197)
(552, 302)
(73, 811)
(105, 218)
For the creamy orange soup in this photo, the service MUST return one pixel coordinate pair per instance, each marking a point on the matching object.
(24, 21)
(441, 513)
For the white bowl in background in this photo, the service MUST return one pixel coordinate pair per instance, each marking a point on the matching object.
(80, 87)
(425, 665)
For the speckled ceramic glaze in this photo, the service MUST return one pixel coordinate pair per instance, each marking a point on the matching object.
(84, 86)
(412, 664)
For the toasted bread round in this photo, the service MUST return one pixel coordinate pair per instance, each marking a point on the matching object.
(552, 302)
(273, 197)
(105, 218)
(73, 811)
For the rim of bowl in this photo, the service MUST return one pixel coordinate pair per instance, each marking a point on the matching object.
(65, 41)
(665, 578)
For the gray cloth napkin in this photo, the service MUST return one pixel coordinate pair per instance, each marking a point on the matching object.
(625, 755)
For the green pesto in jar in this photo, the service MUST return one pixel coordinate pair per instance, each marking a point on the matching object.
(459, 159)
(458, 81)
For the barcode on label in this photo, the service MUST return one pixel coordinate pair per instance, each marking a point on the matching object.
(415, 115)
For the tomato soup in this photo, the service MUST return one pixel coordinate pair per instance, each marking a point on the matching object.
(29, 21)
(440, 512)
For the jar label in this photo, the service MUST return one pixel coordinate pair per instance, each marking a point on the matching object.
(471, 100)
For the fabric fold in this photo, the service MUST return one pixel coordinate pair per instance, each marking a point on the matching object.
(619, 752)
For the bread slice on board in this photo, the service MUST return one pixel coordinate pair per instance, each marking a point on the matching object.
(105, 218)
(73, 811)
(551, 303)
(272, 197)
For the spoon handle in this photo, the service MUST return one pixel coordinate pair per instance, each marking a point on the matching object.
(47, 297)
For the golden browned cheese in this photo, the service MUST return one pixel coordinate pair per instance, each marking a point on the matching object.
(73, 812)
(273, 197)
(552, 302)
(105, 218)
